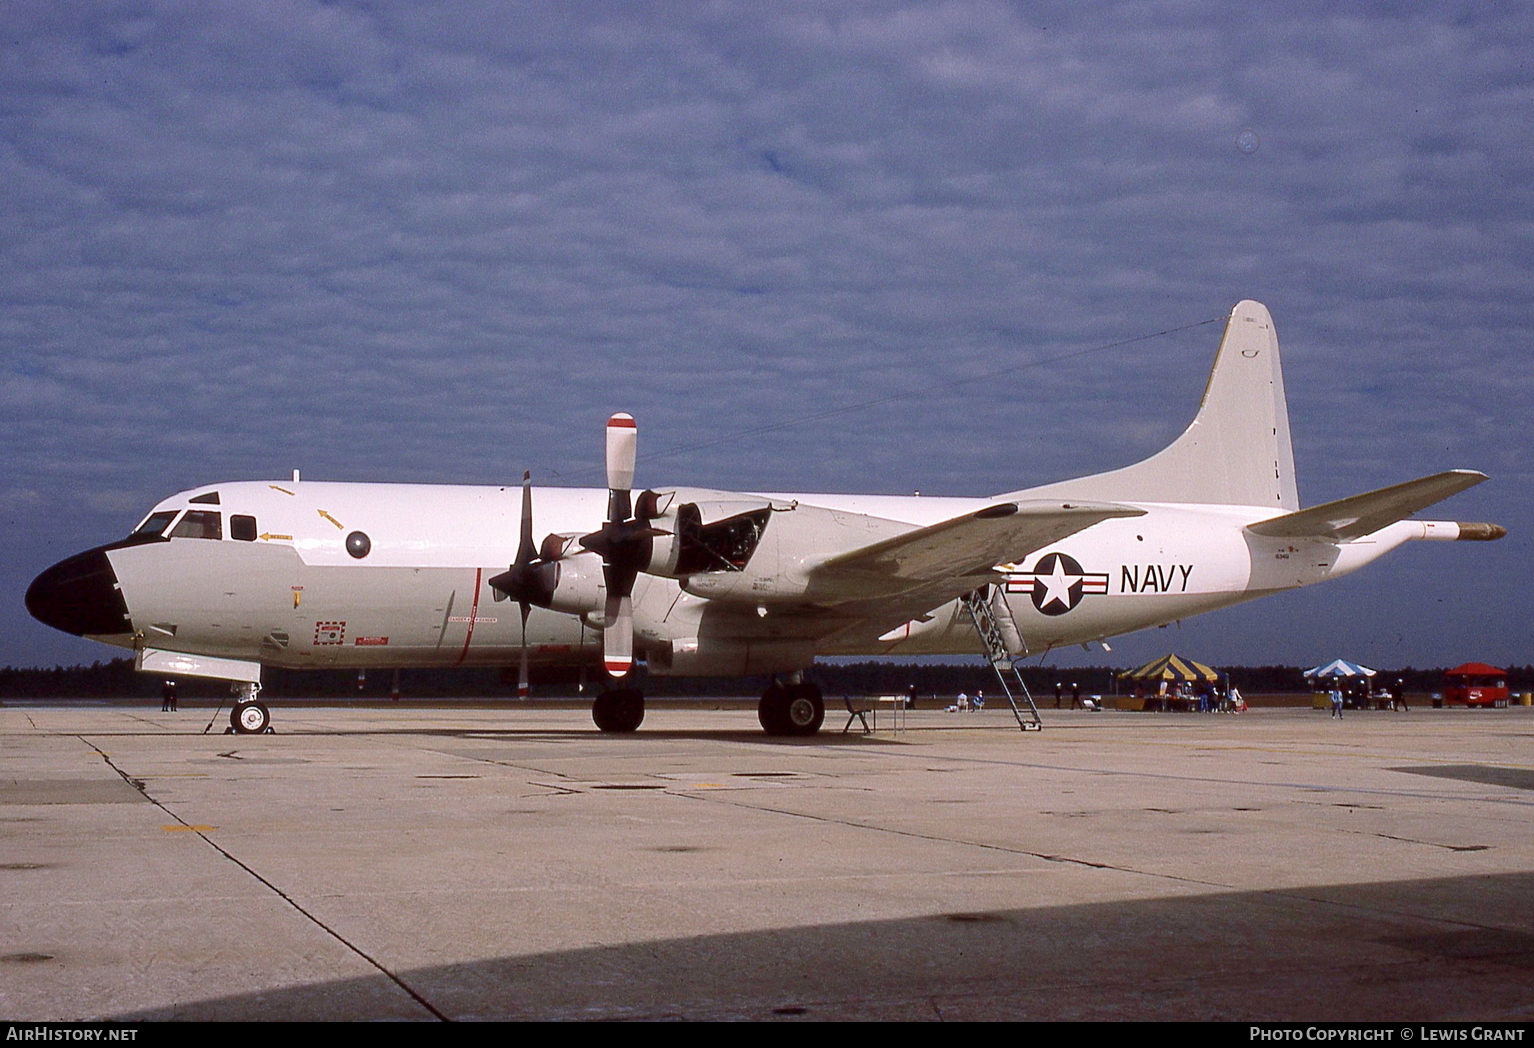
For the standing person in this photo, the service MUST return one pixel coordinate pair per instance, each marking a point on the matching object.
(1057, 695)
(1336, 697)
(910, 697)
(1075, 694)
(1400, 696)
(963, 702)
(168, 696)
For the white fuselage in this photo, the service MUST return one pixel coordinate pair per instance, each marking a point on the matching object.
(293, 595)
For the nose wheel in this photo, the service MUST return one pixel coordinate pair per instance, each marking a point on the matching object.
(250, 718)
(791, 709)
(619, 711)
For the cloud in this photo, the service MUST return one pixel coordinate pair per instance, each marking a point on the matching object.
(443, 244)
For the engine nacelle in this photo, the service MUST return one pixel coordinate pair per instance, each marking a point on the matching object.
(580, 588)
(705, 535)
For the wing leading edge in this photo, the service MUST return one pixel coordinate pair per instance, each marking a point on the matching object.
(1360, 515)
(954, 556)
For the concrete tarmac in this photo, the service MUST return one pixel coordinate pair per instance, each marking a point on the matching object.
(464, 863)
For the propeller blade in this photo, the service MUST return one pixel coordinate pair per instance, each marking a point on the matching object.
(522, 686)
(622, 447)
(531, 578)
(618, 636)
(525, 548)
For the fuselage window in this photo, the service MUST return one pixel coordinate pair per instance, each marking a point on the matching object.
(208, 499)
(242, 527)
(199, 524)
(156, 523)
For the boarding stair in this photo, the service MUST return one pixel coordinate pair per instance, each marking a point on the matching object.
(987, 608)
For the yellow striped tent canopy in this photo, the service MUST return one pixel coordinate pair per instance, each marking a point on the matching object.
(1171, 667)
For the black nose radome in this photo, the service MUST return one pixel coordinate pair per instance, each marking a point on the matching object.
(80, 596)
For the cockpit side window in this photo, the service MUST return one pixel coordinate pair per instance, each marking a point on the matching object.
(155, 524)
(242, 527)
(200, 524)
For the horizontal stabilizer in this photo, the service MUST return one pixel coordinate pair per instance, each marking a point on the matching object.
(1359, 515)
(961, 548)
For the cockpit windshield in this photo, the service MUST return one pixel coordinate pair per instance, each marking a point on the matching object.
(155, 524)
(199, 524)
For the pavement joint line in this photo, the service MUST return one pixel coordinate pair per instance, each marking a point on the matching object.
(1413, 840)
(723, 797)
(284, 896)
(1377, 911)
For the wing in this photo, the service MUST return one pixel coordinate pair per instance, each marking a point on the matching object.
(945, 560)
(1360, 515)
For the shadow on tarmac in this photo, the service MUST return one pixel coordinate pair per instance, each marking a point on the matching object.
(1451, 948)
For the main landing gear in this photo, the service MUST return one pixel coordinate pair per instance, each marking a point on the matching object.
(785, 709)
(620, 710)
(791, 709)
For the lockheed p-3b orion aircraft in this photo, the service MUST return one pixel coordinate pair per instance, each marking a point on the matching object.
(222, 580)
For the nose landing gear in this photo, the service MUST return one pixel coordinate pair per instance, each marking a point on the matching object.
(249, 716)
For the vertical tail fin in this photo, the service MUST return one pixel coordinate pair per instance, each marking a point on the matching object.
(1236, 451)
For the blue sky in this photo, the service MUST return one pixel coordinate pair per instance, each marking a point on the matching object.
(442, 242)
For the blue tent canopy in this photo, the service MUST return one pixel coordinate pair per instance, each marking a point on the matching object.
(1340, 668)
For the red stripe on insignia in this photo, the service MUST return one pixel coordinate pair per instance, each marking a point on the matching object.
(621, 422)
(617, 669)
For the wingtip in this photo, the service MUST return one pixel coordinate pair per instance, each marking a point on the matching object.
(1474, 532)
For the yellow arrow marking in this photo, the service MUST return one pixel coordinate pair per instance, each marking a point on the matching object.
(267, 537)
(332, 520)
(188, 829)
(285, 491)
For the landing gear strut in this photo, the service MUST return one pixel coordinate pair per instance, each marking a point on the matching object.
(791, 709)
(619, 710)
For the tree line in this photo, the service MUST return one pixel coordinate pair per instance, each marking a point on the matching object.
(117, 679)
